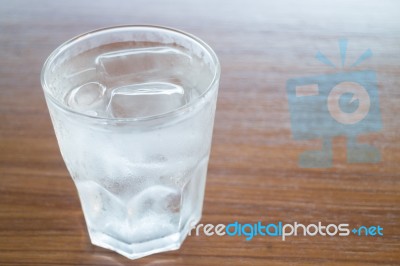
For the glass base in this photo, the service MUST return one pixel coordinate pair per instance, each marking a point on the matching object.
(142, 249)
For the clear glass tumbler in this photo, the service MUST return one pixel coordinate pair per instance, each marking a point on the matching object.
(133, 111)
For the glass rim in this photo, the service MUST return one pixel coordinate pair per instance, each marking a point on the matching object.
(67, 44)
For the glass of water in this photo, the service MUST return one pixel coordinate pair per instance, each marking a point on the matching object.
(133, 111)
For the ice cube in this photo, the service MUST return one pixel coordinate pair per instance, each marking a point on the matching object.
(125, 67)
(79, 77)
(86, 98)
(155, 200)
(146, 99)
(101, 207)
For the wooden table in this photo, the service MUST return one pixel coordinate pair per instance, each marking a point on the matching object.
(254, 172)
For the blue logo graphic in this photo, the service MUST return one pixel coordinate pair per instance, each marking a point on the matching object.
(339, 104)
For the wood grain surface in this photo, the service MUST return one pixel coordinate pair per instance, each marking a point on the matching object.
(254, 174)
